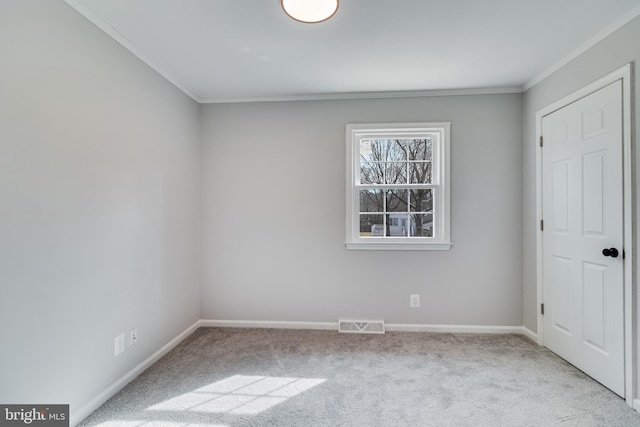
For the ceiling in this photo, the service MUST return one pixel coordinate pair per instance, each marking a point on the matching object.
(249, 50)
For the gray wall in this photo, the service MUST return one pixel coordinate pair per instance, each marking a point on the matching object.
(100, 206)
(274, 216)
(612, 53)
(99, 210)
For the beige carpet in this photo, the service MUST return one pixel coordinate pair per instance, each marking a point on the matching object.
(269, 377)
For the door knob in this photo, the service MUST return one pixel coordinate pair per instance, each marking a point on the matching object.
(613, 252)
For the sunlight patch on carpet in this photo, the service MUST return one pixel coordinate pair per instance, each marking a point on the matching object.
(239, 394)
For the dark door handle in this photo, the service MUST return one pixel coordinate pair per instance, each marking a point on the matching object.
(613, 252)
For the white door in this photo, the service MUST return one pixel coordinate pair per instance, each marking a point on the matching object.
(582, 189)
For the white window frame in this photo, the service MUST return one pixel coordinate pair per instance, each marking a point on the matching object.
(440, 133)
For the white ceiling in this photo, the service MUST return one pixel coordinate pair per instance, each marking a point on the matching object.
(239, 50)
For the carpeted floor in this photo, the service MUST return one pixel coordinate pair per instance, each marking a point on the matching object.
(276, 377)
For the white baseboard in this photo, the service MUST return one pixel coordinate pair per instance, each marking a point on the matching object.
(530, 334)
(473, 329)
(114, 388)
(636, 404)
(398, 327)
(269, 324)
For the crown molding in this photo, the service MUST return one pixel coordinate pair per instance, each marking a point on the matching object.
(367, 95)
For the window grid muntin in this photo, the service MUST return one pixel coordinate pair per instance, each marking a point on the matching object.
(381, 165)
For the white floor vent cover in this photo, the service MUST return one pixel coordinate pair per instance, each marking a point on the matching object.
(361, 326)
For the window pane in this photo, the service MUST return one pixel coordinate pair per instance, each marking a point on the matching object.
(396, 173)
(396, 150)
(378, 149)
(365, 150)
(397, 200)
(422, 200)
(422, 225)
(398, 225)
(371, 201)
(420, 172)
(371, 225)
(371, 173)
(419, 149)
(383, 150)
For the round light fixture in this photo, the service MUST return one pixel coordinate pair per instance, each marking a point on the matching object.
(310, 11)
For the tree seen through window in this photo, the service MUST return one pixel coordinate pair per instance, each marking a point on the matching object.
(389, 204)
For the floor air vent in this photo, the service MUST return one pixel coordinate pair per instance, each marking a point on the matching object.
(361, 326)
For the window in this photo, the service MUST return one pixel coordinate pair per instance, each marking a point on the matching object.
(398, 186)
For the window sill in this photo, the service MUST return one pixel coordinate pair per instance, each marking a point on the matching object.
(397, 246)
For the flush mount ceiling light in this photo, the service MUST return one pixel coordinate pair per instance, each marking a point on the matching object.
(310, 11)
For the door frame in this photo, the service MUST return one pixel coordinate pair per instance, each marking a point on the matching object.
(624, 73)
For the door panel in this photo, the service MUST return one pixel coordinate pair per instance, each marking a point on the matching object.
(561, 196)
(593, 181)
(594, 305)
(583, 211)
(561, 306)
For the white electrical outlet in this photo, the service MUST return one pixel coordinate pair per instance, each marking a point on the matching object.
(133, 336)
(119, 344)
(414, 300)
